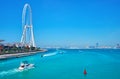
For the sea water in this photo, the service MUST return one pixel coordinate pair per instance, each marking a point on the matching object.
(70, 64)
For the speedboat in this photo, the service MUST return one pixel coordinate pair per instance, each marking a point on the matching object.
(60, 51)
(25, 65)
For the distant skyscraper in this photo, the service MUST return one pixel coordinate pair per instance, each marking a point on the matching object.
(97, 45)
(118, 46)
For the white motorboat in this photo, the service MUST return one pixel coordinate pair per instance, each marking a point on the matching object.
(25, 65)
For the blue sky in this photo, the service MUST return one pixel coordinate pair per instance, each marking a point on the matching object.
(63, 22)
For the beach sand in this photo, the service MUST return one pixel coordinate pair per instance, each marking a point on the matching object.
(17, 55)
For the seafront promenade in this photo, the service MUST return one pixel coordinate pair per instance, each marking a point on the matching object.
(17, 55)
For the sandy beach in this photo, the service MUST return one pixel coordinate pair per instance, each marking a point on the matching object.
(17, 55)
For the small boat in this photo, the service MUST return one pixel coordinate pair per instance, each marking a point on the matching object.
(60, 51)
(25, 65)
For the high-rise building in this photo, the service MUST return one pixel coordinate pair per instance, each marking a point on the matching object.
(97, 45)
(118, 46)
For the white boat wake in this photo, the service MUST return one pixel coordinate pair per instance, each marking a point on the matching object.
(49, 54)
(9, 72)
(54, 53)
(12, 71)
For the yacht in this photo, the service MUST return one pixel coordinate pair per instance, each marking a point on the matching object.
(25, 65)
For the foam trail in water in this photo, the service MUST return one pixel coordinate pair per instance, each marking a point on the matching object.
(9, 72)
(49, 54)
(13, 71)
(54, 53)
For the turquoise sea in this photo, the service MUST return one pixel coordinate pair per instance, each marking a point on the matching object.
(70, 64)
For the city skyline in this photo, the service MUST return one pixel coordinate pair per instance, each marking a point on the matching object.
(64, 22)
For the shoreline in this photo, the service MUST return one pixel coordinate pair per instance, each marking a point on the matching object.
(18, 55)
